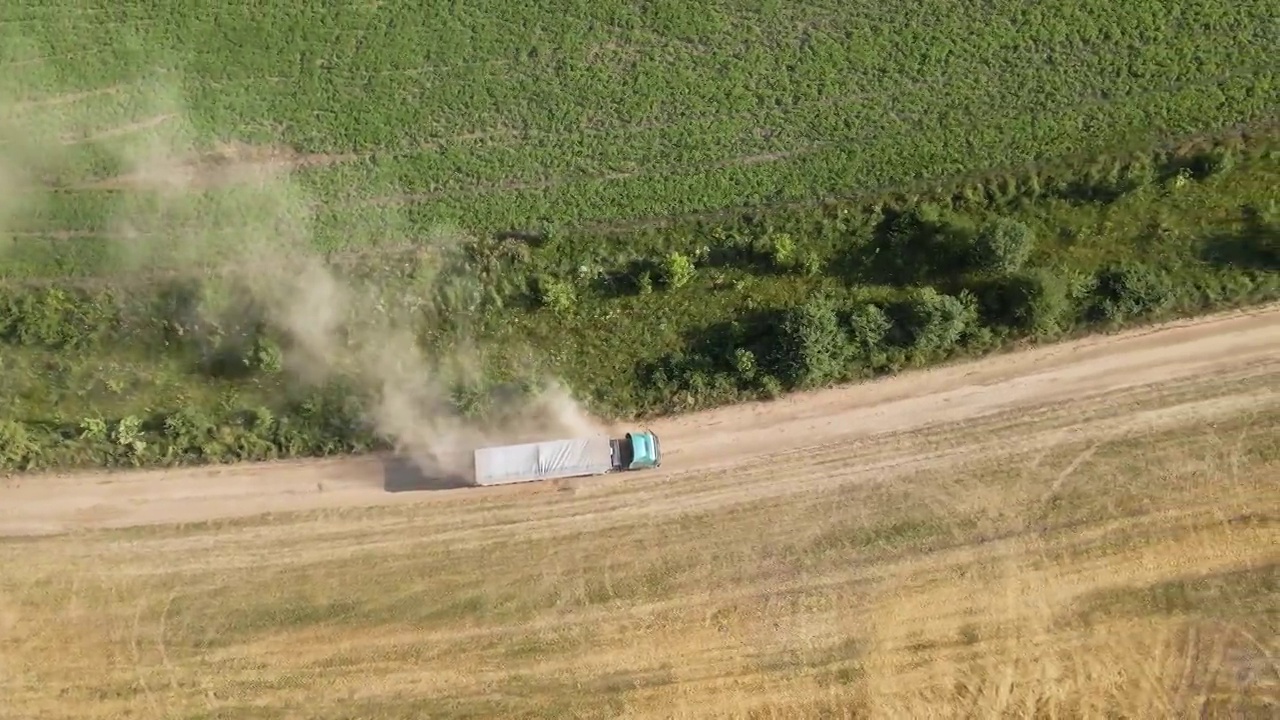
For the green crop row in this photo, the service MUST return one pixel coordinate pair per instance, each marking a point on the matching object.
(397, 75)
(652, 320)
(177, 230)
(533, 185)
(554, 114)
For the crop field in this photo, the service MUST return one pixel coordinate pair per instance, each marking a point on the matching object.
(496, 117)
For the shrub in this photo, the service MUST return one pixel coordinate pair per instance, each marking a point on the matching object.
(931, 323)
(915, 246)
(1002, 246)
(1216, 161)
(557, 295)
(93, 429)
(744, 362)
(18, 450)
(810, 263)
(1129, 291)
(686, 381)
(267, 356)
(782, 247)
(814, 348)
(677, 270)
(771, 387)
(869, 327)
(1034, 301)
(128, 435)
(786, 255)
(187, 431)
(56, 318)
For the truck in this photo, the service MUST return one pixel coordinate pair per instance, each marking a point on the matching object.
(570, 457)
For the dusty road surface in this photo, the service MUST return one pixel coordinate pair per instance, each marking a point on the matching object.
(746, 441)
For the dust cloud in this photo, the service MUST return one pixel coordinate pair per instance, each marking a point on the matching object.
(236, 218)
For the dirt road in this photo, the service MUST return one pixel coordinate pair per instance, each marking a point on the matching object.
(744, 437)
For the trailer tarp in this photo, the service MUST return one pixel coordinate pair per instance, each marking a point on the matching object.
(543, 460)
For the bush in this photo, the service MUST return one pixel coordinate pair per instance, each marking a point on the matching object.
(18, 450)
(1130, 291)
(931, 323)
(744, 363)
(557, 295)
(677, 270)
(56, 318)
(814, 349)
(915, 246)
(869, 328)
(1034, 302)
(1002, 246)
(1215, 161)
(688, 380)
(810, 263)
(324, 425)
(782, 247)
(267, 356)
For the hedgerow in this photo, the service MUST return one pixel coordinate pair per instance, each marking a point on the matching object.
(313, 428)
(655, 320)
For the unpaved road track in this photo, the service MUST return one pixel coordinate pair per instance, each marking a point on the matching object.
(730, 441)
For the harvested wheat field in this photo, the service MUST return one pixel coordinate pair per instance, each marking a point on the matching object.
(1083, 530)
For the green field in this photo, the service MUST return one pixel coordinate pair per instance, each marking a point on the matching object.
(630, 196)
(501, 117)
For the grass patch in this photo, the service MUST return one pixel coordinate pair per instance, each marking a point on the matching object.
(1233, 595)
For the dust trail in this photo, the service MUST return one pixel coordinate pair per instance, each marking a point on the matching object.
(236, 218)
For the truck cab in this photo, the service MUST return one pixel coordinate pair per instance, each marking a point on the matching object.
(637, 451)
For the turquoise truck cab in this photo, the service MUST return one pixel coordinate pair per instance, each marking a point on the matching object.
(637, 451)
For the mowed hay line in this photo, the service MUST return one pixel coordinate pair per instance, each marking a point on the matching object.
(1082, 576)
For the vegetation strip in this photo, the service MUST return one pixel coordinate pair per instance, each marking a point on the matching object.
(180, 371)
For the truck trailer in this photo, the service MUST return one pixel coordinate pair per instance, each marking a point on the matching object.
(572, 457)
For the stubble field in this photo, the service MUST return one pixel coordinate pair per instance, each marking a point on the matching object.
(1081, 531)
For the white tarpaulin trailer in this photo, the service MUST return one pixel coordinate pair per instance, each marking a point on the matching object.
(544, 460)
